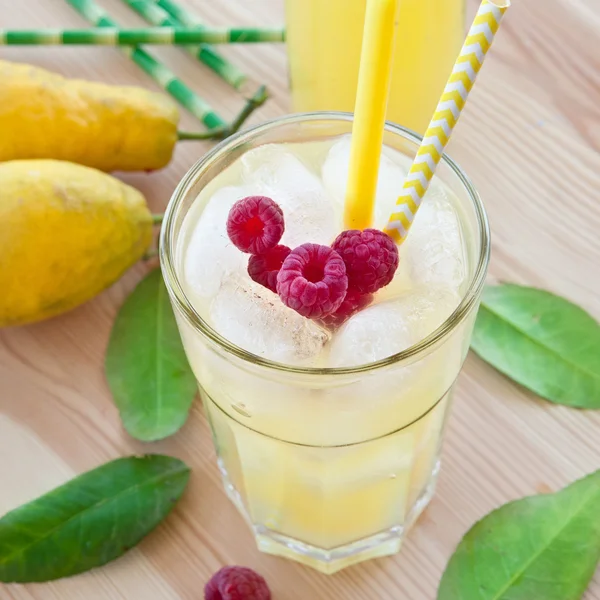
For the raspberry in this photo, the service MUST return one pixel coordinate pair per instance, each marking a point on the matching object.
(353, 303)
(370, 256)
(255, 224)
(313, 281)
(236, 583)
(263, 268)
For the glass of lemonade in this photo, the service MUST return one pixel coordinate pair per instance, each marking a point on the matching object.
(328, 441)
(324, 45)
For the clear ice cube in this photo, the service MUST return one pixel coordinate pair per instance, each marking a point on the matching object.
(391, 177)
(255, 319)
(273, 171)
(434, 249)
(210, 256)
(390, 327)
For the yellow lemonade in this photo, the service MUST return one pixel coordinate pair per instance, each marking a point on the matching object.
(324, 45)
(328, 440)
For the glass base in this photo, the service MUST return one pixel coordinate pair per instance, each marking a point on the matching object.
(330, 561)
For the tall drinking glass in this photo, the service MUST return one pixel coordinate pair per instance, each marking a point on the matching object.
(324, 44)
(329, 466)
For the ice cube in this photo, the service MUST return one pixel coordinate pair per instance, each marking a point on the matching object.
(434, 249)
(389, 184)
(372, 334)
(210, 256)
(389, 327)
(255, 319)
(273, 171)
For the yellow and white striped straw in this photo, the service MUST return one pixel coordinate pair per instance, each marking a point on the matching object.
(447, 113)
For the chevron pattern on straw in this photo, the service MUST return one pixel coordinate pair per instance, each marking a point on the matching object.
(447, 113)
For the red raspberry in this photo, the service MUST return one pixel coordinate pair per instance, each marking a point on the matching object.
(353, 303)
(370, 256)
(263, 268)
(236, 583)
(313, 281)
(255, 224)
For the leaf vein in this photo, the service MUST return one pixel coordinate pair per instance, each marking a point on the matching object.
(22, 550)
(577, 367)
(536, 555)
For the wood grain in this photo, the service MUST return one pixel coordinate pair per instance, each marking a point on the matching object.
(530, 139)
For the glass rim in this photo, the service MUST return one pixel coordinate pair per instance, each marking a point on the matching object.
(177, 294)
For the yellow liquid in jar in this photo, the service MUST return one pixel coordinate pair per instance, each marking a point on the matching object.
(324, 45)
(334, 464)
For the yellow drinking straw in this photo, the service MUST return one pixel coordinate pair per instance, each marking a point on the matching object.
(447, 113)
(369, 113)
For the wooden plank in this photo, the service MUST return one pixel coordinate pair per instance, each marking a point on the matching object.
(530, 139)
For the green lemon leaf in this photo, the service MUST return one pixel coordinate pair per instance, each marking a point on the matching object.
(539, 548)
(90, 520)
(542, 341)
(146, 367)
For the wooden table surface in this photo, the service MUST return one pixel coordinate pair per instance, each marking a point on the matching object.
(530, 139)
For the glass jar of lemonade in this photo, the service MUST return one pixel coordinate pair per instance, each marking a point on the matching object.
(328, 439)
(324, 43)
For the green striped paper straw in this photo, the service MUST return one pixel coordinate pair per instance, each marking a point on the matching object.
(184, 17)
(205, 53)
(180, 14)
(116, 36)
(188, 19)
(163, 76)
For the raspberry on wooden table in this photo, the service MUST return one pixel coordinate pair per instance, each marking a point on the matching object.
(236, 583)
(263, 268)
(370, 256)
(313, 281)
(255, 224)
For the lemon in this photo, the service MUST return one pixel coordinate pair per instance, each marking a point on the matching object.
(66, 233)
(108, 127)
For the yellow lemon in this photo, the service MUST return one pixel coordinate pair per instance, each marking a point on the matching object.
(108, 127)
(66, 233)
